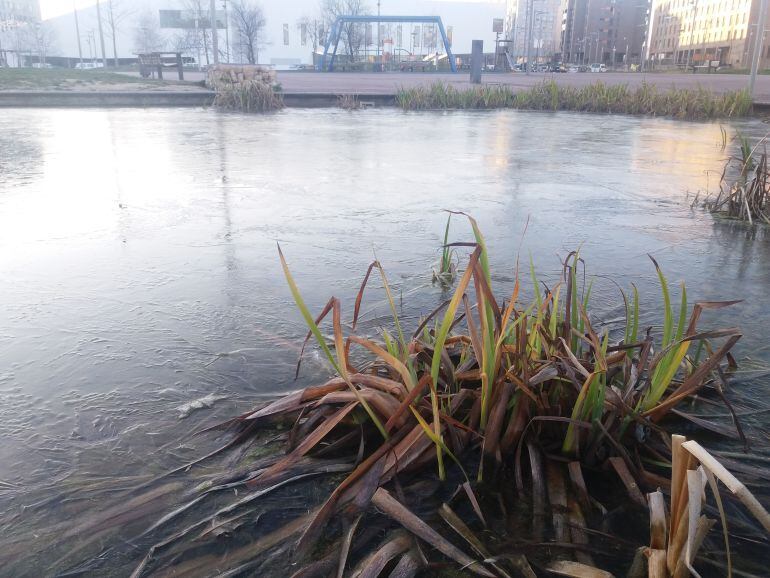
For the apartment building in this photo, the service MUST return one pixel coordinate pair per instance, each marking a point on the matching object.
(15, 12)
(15, 15)
(696, 32)
(613, 32)
(536, 23)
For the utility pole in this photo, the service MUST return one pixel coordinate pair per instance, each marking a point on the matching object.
(530, 27)
(227, 32)
(101, 32)
(690, 49)
(214, 35)
(758, 42)
(197, 39)
(114, 35)
(77, 31)
(379, 65)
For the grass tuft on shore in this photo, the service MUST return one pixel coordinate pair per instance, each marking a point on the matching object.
(73, 79)
(688, 104)
(744, 187)
(504, 434)
(250, 95)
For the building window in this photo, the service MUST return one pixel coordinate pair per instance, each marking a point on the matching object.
(285, 34)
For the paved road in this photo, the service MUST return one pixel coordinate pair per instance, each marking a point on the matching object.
(388, 83)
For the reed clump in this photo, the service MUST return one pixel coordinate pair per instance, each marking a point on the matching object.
(744, 190)
(348, 102)
(678, 532)
(247, 95)
(447, 266)
(647, 99)
(484, 397)
(480, 385)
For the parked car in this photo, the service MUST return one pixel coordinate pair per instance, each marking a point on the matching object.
(41, 65)
(598, 67)
(573, 68)
(89, 65)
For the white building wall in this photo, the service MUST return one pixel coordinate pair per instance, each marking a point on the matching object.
(468, 20)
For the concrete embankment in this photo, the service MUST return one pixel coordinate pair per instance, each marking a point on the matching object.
(60, 98)
(197, 98)
(138, 98)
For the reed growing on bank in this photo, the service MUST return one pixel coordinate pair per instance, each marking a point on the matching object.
(249, 95)
(522, 413)
(647, 99)
(476, 386)
(744, 187)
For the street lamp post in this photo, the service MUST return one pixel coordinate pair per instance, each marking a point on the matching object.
(625, 55)
(101, 32)
(596, 51)
(758, 43)
(77, 31)
(379, 65)
(197, 40)
(530, 28)
(539, 15)
(214, 34)
(227, 32)
(694, 4)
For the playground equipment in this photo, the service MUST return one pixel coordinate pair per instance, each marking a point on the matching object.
(389, 50)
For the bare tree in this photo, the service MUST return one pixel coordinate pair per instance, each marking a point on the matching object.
(200, 10)
(312, 28)
(40, 38)
(249, 23)
(147, 36)
(117, 12)
(352, 35)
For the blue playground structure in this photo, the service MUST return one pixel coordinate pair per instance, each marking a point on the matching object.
(335, 34)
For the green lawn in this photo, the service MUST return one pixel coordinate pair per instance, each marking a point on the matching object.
(70, 79)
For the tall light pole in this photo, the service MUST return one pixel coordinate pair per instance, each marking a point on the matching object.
(690, 50)
(114, 35)
(77, 31)
(379, 65)
(214, 37)
(625, 55)
(539, 15)
(530, 27)
(197, 39)
(227, 32)
(101, 32)
(758, 42)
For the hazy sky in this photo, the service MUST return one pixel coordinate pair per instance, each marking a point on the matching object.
(51, 8)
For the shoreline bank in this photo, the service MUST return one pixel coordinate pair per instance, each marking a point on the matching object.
(173, 99)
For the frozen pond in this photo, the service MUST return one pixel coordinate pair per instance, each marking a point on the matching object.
(139, 244)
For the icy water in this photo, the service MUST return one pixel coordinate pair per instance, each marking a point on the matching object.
(143, 297)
